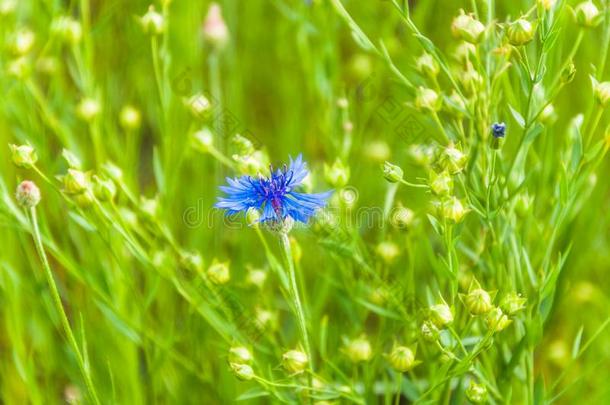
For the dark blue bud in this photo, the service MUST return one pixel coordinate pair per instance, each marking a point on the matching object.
(498, 129)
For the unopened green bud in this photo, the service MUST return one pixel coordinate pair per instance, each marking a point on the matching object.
(548, 115)
(256, 277)
(453, 209)
(402, 359)
(191, 261)
(388, 251)
(429, 331)
(466, 27)
(441, 183)
(497, 320)
(478, 301)
(421, 154)
(520, 32)
(113, 171)
(67, 29)
(337, 174)
(242, 371)
(470, 79)
(602, 93)
(464, 52)
(243, 145)
(427, 65)
(23, 41)
(392, 173)
(149, 207)
(294, 361)
(253, 215)
(23, 155)
(75, 182)
(402, 218)
(587, 14)
(7, 7)
(427, 99)
(203, 140)
(218, 273)
(567, 74)
(71, 159)
(103, 189)
(84, 200)
(88, 109)
(215, 30)
(441, 315)
(377, 151)
(453, 159)
(130, 117)
(27, 194)
(198, 105)
(476, 393)
(512, 303)
(455, 104)
(152, 22)
(359, 350)
(547, 4)
(240, 355)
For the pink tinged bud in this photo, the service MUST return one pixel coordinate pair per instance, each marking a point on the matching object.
(215, 30)
(27, 194)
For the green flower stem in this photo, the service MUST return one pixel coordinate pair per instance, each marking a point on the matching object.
(294, 293)
(59, 307)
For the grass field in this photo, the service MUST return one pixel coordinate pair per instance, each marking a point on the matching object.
(434, 227)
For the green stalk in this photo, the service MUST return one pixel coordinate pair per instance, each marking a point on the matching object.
(59, 307)
(294, 293)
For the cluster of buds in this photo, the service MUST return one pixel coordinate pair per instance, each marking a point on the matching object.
(240, 360)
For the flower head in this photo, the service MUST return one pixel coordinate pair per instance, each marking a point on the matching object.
(274, 195)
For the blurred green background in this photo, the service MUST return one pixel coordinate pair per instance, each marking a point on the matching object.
(280, 76)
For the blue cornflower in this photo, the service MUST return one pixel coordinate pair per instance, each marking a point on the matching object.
(274, 196)
(498, 129)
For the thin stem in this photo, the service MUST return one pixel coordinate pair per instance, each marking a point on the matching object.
(59, 307)
(294, 292)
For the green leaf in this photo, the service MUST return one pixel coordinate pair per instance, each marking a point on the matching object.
(517, 116)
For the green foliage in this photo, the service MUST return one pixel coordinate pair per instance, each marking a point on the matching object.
(453, 264)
